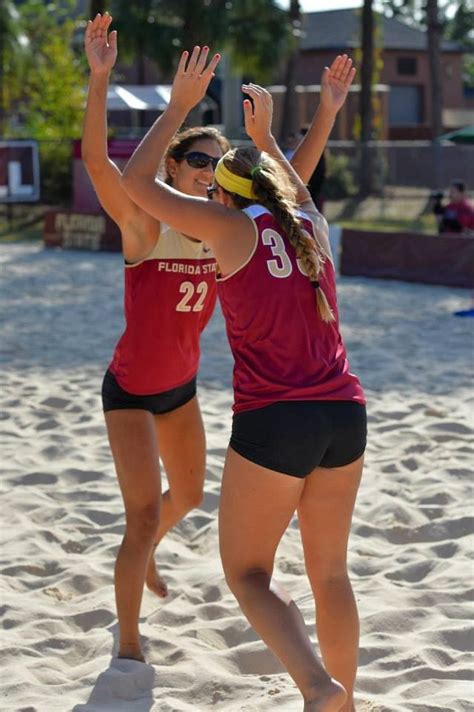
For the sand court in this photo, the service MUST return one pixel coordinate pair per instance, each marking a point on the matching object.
(62, 514)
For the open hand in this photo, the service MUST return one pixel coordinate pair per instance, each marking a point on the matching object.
(336, 81)
(192, 78)
(101, 50)
(258, 117)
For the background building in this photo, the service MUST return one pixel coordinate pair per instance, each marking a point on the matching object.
(403, 85)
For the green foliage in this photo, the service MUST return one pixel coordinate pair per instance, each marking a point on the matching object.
(143, 32)
(258, 36)
(407, 11)
(461, 26)
(254, 32)
(13, 52)
(339, 182)
(461, 29)
(43, 95)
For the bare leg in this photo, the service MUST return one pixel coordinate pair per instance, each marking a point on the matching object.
(255, 509)
(183, 453)
(135, 450)
(325, 515)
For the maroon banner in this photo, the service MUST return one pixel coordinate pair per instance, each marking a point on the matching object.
(116, 147)
(84, 196)
(79, 231)
(411, 257)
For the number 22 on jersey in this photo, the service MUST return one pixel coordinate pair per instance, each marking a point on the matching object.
(188, 303)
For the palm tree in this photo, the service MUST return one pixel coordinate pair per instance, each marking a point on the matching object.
(289, 122)
(366, 110)
(435, 32)
(13, 46)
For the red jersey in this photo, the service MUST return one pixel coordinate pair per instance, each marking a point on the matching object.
(461, 212)
(282, 348)
(169, 299)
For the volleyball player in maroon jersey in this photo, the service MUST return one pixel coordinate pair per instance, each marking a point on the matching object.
(149, 390)
(299, 426)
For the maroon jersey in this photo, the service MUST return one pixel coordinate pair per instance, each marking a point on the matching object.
(461, 213)
(282, 348)
(169, 298)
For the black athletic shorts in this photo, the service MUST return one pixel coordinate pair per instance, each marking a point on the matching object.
(115, 398)
(294, 437)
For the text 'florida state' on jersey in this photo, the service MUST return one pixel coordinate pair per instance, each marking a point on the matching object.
(169, 299)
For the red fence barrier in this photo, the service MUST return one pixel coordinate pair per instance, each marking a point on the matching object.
(411, 257)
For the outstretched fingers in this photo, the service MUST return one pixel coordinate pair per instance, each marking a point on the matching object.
(346, 70)
(182, 63)
(256, 92)
(201, 62)
(212, 66)
(98, 27)
(113, 39)
(88, 32)
(195, 64)
(193, 60)
(257, 112)
(192, 77)
(341, 71)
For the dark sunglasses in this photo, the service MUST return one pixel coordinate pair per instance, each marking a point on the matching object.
(211, 189)
(198, 159)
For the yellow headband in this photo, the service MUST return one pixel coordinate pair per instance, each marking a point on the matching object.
(234, 184)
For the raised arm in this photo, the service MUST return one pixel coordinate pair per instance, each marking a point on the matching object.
(139, 230)
(258, 120)
(195, 217)
(335, 84)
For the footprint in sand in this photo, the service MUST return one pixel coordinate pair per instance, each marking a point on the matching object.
(58, 403)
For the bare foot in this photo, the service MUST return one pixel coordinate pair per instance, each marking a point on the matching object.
(153, 580)
(327, 698)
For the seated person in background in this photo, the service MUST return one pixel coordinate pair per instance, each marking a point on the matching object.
(458, 214)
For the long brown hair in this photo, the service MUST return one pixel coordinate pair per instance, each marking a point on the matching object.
(274, 190)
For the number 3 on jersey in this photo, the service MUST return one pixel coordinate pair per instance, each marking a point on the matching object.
(281, 266)
(188, 289)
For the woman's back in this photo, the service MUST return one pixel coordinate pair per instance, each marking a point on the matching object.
(282, 348)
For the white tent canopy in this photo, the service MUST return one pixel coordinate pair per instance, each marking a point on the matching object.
(146, 97)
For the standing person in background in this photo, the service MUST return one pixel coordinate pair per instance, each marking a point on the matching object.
(299, 426)
(149, 390)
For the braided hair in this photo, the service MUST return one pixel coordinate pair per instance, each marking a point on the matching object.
(274, 190)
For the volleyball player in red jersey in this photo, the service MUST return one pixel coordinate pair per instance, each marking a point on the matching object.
(299, 426)
(149, 390)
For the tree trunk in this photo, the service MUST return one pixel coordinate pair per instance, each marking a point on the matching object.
(365, 99)
(231, 99)
(435, 30)
(290, 119)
